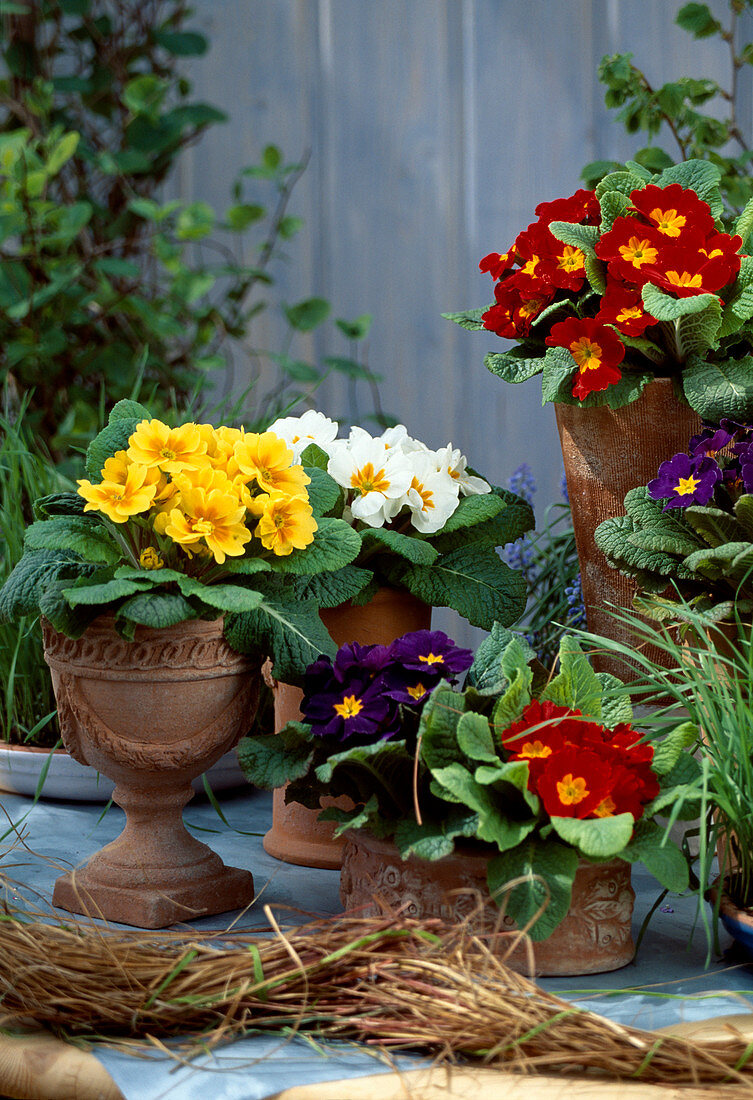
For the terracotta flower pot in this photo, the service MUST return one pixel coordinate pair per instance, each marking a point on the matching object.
(152, 714)
(594, 937)
(297, 836)
(607, 452)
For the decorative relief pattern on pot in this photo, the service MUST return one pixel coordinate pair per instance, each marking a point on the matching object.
(604, 909)
(79, 725)
(99, 649)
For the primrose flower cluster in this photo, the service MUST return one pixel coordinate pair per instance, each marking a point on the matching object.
(666, 237)
(579, 768)
(359, 695)
(388, 479)
(204, 491)
(719, 463)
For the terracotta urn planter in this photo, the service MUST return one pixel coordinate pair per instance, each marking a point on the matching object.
(607, 452)
(151, 715)
(297, 836)
(594, 937)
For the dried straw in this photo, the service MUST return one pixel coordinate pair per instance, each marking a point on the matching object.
(389, 982)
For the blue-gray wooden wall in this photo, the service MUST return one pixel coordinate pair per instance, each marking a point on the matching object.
(435, 127)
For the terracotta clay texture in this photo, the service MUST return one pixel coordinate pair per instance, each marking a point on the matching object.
(593, 938)
(606, 453)
(296, 835)
(152, 714)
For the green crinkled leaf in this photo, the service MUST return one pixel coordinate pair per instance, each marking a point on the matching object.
(731, 560)
(666, 543)
(666, 863)
(472, 510)
(472, 580)
(739, 306)
(700, 176)
(668, 751)
(292, 634)
(417, 551)
(434, 839)
(686, 797)
(564, 307)
(270, 762)
(384, 768)
(744, 512)
(576, 685)
(494, 825)
(90, 594)
(515, 774)
(315, 456)
(468, 318)
(613, 205)
(549, 869)
(247, 566)
(113, 437)
(611, 537)
(744, 223)
(512, 521)
(360, 817)
(21, 592)
(323, 492)
(596, 273)
(718, 390)
(150, 576)
(475, 739)
(698, 332)
(128, 410)
(512, 367)
(83, 535)
(598, 838)
(583, 237)
(621, 181)
(59, 504)
(486, 674)
(559, 377)
(332, 589)
(67, 620)
(438, 727)
(650, 515)
(641, 344)
(714, 525)
(664, 307)
(225, 597)
(335, 544)
(157, 609)
(615, 700)
(513, 699)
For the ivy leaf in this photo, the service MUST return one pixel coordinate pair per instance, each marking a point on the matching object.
(291, 633)
(335, 544)
(599, 838)
(717, 390)
(549, 870)
(81, 534)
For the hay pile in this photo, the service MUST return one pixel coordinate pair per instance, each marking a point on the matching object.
(389, 982)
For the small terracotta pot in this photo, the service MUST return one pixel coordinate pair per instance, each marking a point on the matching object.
(152, 714)
(593, 938)
(297, 836)
(607, 452)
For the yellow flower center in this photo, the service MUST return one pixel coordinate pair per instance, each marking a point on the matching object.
(427, 499)
(535, 750)
(530, 266)
(570, 259)
(586, 353)
(430, 658)
(349, 707)
(417, 691)
(686, 278)
(368, 480)
(668, 221)
(637, 252)
(572, 791)
(629, 313)
(686, 486)
(606, 808)
(168, 454)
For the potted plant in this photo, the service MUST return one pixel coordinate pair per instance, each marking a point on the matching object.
(428, 528)
(687, 537)
(155, 628)
(537, 790)
(632, 302)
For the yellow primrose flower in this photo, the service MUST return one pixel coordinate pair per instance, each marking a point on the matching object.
(119, 500)
(287, 524)
(149, 558)
(225, 440)
(207, 478)
(211, 515)
(267, 459)
(169, 449)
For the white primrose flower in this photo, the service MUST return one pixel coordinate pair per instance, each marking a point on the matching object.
(455, 464)
(432, 495)
(299, 431)
(377, 479)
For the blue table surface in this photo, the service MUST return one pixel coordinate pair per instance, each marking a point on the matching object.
(669, 981)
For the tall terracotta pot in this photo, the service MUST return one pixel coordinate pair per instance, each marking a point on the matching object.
(297, 836)
(594, 937)
(606, 452)
(152, 714)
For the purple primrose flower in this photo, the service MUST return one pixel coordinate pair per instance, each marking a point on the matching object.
(711, 440)
(685, 480)
(430, 651)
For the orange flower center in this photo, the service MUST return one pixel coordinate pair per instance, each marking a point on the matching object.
(586, 353)
(535, 750)
(571, 259)
(629, 313)
(368, 480)
(668, 222)
(427, 499)
(530, 266)
(637, 252)
(349, 707)
(417, 691)
(687, 278)
(571, 791)
(606, 808)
